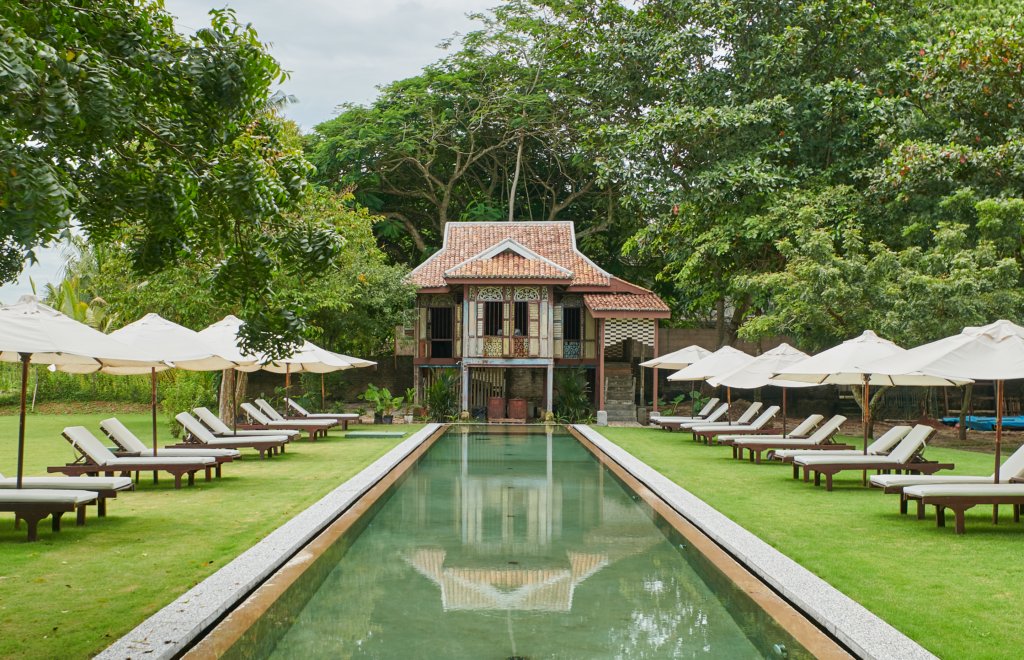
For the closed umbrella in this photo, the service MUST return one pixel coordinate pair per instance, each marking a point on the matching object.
(171, 342)
(721, 361)
(680, 359)
(759, 371)
(31, 332)
(842, 365)
(991, 352)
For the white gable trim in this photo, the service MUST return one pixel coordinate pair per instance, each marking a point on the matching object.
(515, 246)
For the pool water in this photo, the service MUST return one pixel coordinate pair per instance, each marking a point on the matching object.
(513, 544)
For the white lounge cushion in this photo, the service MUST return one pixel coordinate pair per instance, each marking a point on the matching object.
(885, 443)
(41, 495)
(83, 439)
(902, 453)
(966, 490)
(67, 483)
(275, 417)
(305, 413)
(799, 433)
(220, 428)
(131, 442)
(203, 434)
(905, 480)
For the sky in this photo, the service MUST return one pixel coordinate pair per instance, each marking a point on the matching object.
(337, 50)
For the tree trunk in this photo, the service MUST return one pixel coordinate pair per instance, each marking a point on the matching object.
(876, 399)
(515, 179)
(965, 406)
(224, 402)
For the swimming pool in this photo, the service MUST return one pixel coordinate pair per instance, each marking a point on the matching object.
(505, 542)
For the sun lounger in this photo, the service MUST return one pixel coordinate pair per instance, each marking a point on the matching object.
(261, 421)
(960, 497)
(896, 483)
(132, 446)
(880, 447)
(197, 435)
(222, 430)
(34, 504)
(820, 439)
(97, 458)
(273, 415)
(802, 430)
(703, 414)
(709, 431)
(343, 418)
(104, 487)
(905, 456)
(677, 423)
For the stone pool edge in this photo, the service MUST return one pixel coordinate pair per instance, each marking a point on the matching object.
(864, 633)
(168, 632)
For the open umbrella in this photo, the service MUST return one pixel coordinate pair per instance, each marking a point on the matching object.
(991, 352)
(31, 332)
(721, 361)
(759, 371)
(842, 365)
(680, 359)
(222, 338)
(171, 342)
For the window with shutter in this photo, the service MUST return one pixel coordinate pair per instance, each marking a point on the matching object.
(533, 328)
(557, 330)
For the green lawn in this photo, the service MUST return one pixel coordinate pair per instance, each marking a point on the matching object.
(72, 593)
(959, 597)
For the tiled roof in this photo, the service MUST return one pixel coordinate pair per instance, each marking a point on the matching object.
(508, 265)
(624, 302)
(551, 240)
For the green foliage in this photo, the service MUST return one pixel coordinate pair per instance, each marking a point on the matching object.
(49, 386)
(443, 396)
(165, 144)
(572, 399)
(181, 391)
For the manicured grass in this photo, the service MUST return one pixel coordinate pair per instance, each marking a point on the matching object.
(73, 593)
(959, 597)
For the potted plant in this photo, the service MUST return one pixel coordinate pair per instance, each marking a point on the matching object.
(388, 405)
(374, 396)
(410, 394)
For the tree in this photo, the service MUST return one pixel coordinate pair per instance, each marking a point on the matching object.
(165, 144)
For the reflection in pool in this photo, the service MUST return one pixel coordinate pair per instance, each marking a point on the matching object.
(513, 543)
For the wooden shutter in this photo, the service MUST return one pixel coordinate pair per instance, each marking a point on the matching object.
(506, 328)
(589, 334)
(533, 327)
(457, 330)
(421, 330)
(557, 329)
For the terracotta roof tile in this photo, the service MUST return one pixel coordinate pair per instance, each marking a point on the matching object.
(624, 302)
(551, 240)
(508, 266)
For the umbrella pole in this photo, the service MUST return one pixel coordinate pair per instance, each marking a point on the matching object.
(323, 395)
(867, 405)
(25, 359)
(783, 412)
(999, 425)
(234, 403)
(287, 382)
(728, 405)
(153, 387)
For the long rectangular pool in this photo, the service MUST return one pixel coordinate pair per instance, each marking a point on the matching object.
(501, 543)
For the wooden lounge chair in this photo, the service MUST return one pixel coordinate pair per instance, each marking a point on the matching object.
(905, 456)
(197, 435)
(96, 458)
(104, 487)
(677, 423)
(880, 447)
(895, 483)
(262, 422)
(820, 439)
(800, 432)
(707, 432)
(342, 418)
(703, 414)
(960, 497)
(222, 430)
(131, 446)
(273, 415)
(34, 504)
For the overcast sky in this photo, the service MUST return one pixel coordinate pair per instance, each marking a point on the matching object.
(337, 50)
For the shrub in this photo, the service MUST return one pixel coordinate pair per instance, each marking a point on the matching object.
(572, 403)
(443, 396)
(182, 391)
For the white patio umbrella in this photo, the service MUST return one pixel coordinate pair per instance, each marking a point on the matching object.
(174, 343)
(222, 337)
(721, 361)
(991, 352)
(759, 371)
(680, 359)
(33, 333)
(842, 365)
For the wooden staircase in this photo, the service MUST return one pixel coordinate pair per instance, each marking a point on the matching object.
(619, 400)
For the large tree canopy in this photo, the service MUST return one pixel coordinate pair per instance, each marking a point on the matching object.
(167, 145)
